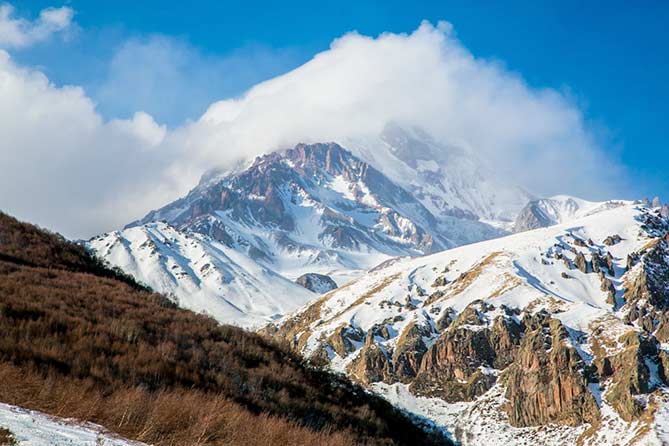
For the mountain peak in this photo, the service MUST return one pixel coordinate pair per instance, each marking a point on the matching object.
(314, 208)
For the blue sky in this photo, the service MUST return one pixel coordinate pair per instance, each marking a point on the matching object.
(174, 60)
(612, 56)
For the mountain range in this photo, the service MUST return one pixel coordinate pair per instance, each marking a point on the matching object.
(234, 246)
(410, 267)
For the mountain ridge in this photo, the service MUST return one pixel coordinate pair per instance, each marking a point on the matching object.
(556, 335)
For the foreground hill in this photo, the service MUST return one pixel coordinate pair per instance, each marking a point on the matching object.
(553, 336)
(81, 341)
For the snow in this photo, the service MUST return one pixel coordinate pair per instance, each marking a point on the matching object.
(247, 277)
(33, 428)
(202, 274)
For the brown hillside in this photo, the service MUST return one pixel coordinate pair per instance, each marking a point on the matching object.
(79, 340)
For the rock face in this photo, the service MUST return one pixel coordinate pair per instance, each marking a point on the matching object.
(547, 382)
(318, 283)
(462, 364)
(546, 212)
(373, 363)
(409, 352)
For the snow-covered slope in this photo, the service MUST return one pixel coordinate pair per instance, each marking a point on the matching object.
(546, 212)
(235, 243)
(551, 336)
(201, 273)
(33, 428)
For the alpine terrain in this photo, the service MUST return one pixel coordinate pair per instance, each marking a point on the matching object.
(553, 336)
(235, 246)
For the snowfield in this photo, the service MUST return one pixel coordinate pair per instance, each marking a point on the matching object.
(33, 428)
(201, 274)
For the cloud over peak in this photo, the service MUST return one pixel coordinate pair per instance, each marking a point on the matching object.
(63, 165)
(427, 79)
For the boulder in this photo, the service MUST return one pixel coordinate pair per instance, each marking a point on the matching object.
(318, 283)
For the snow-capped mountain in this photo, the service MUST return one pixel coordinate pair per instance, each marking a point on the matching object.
(234, 245)
(448, 180)
(546, 212)
(553, 336)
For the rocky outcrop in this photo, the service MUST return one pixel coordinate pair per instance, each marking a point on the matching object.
(409, 351)
(650, 283)
(372, 364)
(581, 263)
(318, 283)
(627, 373)
(547, 382)
(612, 240)
(609, 288)
(445, 320)
(462, 364)
(343, 338)
(533, 216)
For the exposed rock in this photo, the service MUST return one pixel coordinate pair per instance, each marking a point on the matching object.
(610, 265)
(381, 330)
(656, 202)
(543, 212)
(461, 364)
(662, 332)
(597, 262)
(372, 364)
(579, 242)
(445, 320)
(610, 289)
(652, 281)
(581, 264)
(632, 258)
(546, 383)
(440, 281)
(342, 339)
(567, 262)
(409, 351)
(434, 297)
(565, 275)
(612, 240)
(318, 283)
(629, 373)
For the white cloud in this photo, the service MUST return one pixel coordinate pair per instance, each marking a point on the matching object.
(63, 166)
(20, 32)
(427, 78)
